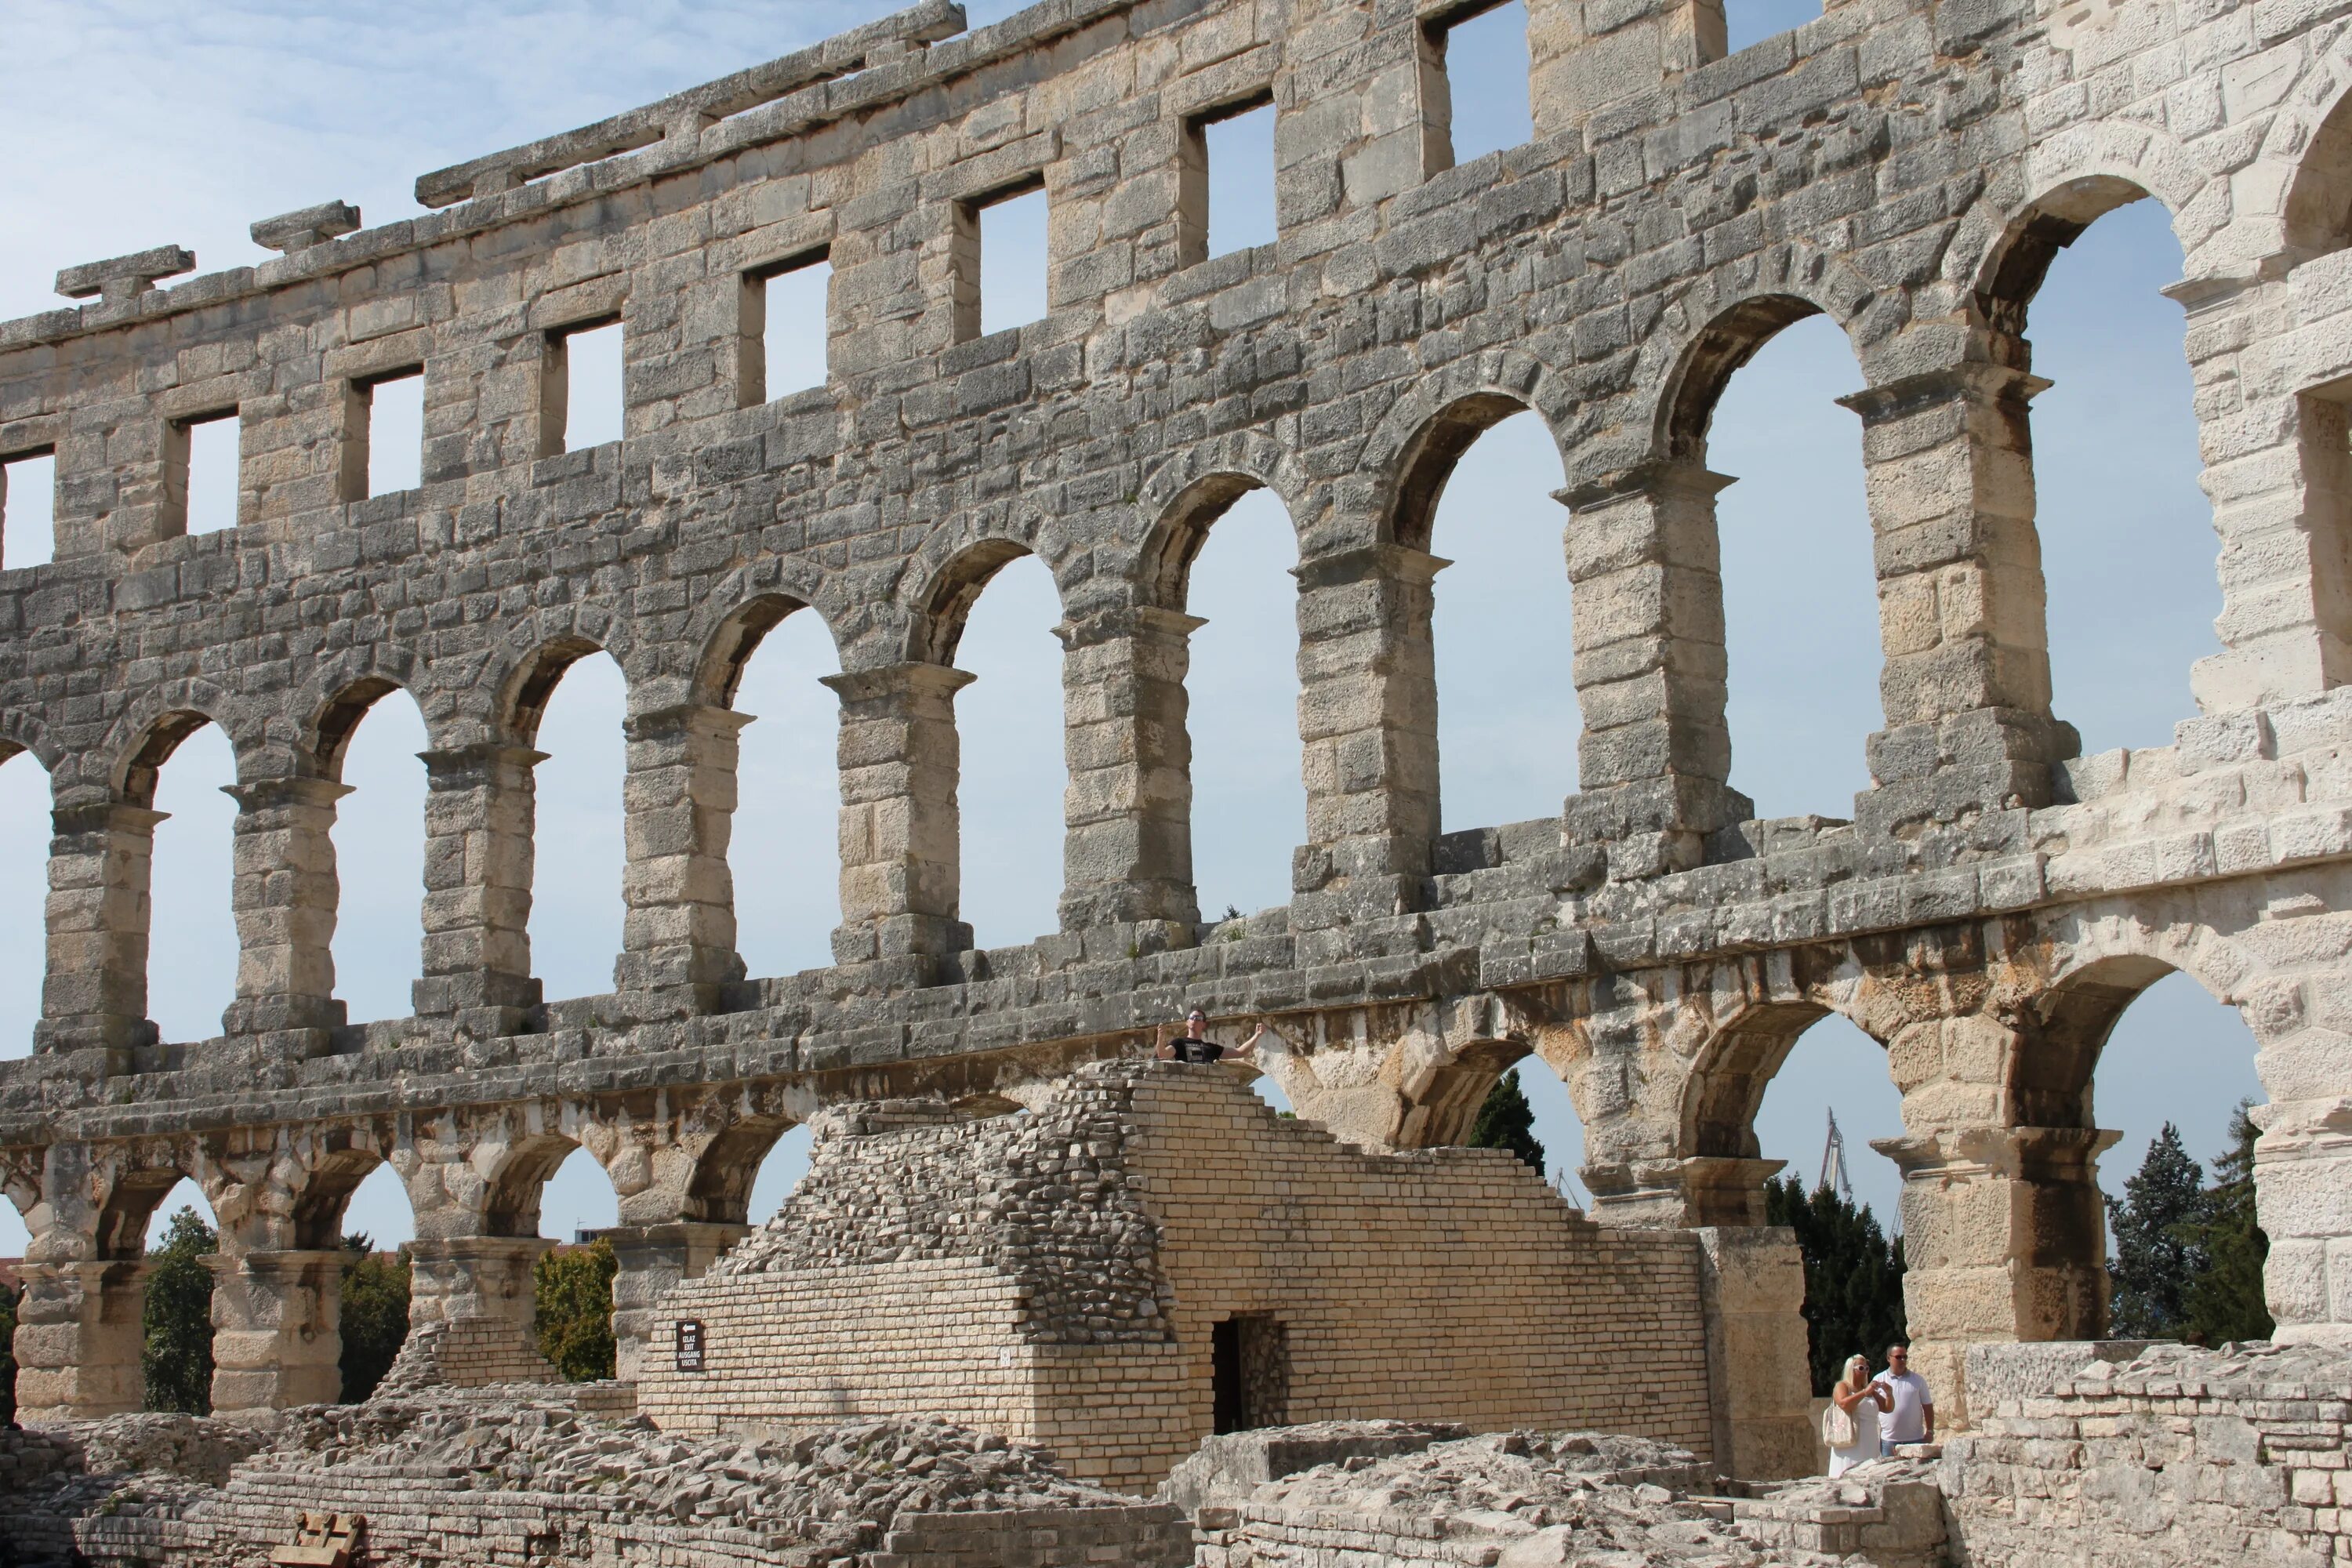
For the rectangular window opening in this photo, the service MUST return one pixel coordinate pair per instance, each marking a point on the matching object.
(581, 389)
(1476, 98)
(206, 484)
(392, 429)
(1001, 279)
(1747, 21)
(786, 328)
(28, 496)
(1229, 180)
(1249, 1357)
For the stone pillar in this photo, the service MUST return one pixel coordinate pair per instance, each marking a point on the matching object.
(78, 1335)
(1127, 854)
(653, 1257)
(1579, 67)
(2004, 1238)
(900, 853)
(284, 894)
(1752, 1285)
(477, 1290)
(478, 866)
(1368, 720)
(680, 807)
(276, 1329)
(1655, 760)
(94, 995)
(1948, 463)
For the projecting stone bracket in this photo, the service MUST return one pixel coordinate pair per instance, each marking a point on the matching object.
(121, 277)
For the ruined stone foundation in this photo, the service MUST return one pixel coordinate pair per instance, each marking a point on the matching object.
(1154, 1255)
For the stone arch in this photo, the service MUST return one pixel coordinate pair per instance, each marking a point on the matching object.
(342, 692)
(1710, 357)
(1413, 451)
(21, 732)
(143, 739)
(2315, 210)
(2013, 261)
(944, 577)
(1185, 496)
(524, 671)
(725, 650)
(517, 1180)
(719, 1191)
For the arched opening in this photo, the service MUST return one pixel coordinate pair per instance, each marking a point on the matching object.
(2128, 550)
(1478, 491)
(2134, 1046)
(1497, 1094)
(192, 943)
(554, 1188)
(783, 844)
(355, 1204)
(1800, 625)
(572, 709)
(997, 624)
(370, 742)
(24, 933)
(176, 1309)
(778, 1172)
(1231, 561)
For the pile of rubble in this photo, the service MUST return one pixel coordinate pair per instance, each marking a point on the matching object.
(523, 1474)
(1521, 1499)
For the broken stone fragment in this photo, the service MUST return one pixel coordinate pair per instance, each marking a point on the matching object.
(119, 278)
(290, 232)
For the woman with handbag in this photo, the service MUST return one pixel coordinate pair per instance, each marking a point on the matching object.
(1850, 1423)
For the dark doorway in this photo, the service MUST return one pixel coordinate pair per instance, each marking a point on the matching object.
(1250, 1357)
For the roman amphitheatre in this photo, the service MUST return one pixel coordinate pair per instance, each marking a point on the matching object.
(1010, 1316)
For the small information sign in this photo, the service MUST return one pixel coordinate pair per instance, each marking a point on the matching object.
(689, 1345)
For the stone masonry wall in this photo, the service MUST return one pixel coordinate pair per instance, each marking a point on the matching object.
(1446, 1285)
(1907, 168)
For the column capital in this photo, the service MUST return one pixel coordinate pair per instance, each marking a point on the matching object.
(1370, 563)
(270, 794)
(1662, 478)
(479, 756)
(682, 718)
(107, 816)
(1125, 621)
(913, 677)
(1980, 380)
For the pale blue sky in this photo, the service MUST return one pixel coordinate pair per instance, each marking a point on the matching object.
(138, 124)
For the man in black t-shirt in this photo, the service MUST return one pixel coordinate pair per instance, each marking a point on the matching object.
(1194, 1045)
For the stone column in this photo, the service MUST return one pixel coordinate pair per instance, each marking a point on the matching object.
(478, 866)
(900, 853)
(680, 807)
(1948, 463)
(2004, 1238)
(1752, 1285)
(1655, 760)
(1368, 721)
(276, 1329)
(94, 995)
(78, 1335)
(1127, 854)
(653, 1257)
(284, 894)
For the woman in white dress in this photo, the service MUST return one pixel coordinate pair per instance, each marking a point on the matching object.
(1862, 1402)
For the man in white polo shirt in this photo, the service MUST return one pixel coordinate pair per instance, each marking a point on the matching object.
(1911, 1417)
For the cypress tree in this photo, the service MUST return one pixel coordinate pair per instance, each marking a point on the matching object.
(2157, 1255)
(1853, 1276)
(177, 1357)
(1506, 1121)
(2225, 1298)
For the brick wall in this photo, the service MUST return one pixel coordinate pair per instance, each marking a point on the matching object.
(1447, 1284)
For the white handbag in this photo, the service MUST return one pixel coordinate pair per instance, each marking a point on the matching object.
(1837, 1427)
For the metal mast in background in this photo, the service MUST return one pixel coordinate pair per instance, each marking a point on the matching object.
(1834, 1164)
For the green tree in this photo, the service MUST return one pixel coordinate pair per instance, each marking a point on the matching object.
(178, 1355)
(8, 1300)
(374, 1316)
(571, 1293)
(2157, 1256)
(1853, 1276)
(2225, 1298)
(1506, 1121)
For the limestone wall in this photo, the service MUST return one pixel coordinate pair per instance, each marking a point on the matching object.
(2175, 1458)
(1445, 1285)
